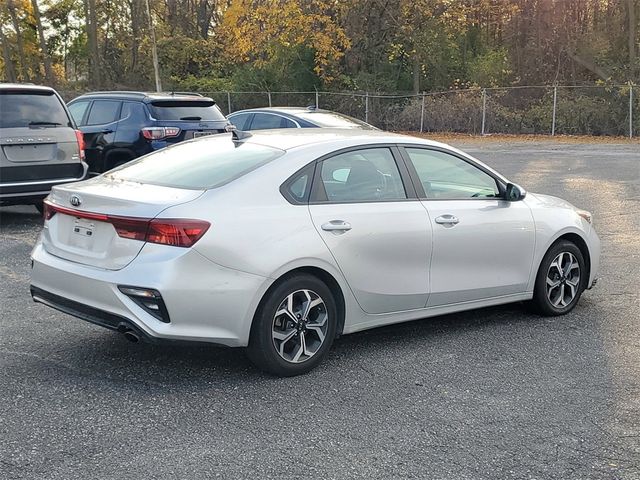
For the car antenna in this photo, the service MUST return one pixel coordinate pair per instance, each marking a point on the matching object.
(238, 135)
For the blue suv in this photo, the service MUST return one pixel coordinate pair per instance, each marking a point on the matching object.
(121, 126)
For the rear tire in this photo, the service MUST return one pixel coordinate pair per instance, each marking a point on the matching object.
(560, 281)
(294, 327)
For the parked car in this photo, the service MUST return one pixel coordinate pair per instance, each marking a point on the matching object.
(121, 126)
(39, 144)
(293, 117)
(283, 239)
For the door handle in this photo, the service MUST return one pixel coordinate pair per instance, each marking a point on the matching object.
(447, 219)
(106, 130)
(336, 226)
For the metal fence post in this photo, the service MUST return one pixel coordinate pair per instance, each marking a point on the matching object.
(422, 115)
(269, 95)
(484, 108)
(366, 107)
(229, 101)
(555, 102)
(317, 100)
(630, 109)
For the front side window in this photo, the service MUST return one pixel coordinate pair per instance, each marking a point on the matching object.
(103, 111)
(366, 175)
(445, 176)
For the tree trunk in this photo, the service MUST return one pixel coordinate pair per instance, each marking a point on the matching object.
(632, 37)
(136, 31)
(416, 74)
(9, 71)
(24, 67)
(48, 70)
(92, 40)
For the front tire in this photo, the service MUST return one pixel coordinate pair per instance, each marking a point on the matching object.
(560, 281)
(294, 327)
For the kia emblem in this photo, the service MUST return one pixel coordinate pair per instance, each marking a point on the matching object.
(75, 200)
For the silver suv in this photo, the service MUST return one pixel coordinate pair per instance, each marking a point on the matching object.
(39, 144)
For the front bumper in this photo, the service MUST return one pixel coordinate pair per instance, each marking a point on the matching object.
(206, 302)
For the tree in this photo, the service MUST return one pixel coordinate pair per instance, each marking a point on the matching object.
(43, 44)
(9, 70)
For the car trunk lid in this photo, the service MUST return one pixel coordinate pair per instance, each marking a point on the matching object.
(85, 218)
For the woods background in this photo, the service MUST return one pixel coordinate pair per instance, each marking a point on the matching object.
(329, 45)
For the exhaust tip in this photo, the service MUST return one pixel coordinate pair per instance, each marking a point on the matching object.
(131, 336)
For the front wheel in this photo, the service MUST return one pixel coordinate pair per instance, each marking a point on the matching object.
(294, 328)
(560, 280)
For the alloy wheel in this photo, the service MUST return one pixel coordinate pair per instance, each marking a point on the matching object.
(563, 280)
(300, 326)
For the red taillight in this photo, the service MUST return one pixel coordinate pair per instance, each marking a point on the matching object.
(80, 139)
(178, 232)
(158, 133)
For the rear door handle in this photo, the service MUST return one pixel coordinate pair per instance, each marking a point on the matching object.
(106, 130)
(336, 226)
(447, 219)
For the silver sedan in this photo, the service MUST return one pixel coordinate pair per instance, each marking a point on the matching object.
(282, 240)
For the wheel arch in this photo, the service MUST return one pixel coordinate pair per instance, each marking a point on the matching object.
(114, 155)
(327, 278)
(579, 241)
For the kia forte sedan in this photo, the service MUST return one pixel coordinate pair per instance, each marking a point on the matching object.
(280, 241)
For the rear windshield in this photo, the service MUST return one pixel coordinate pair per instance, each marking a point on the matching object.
(199, 165)
(19, 108)
(186, 110)
(336, 120)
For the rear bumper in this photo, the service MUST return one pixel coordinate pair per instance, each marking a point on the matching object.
(30, 186)
(206, 302)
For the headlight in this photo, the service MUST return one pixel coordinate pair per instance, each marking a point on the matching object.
(586, 215)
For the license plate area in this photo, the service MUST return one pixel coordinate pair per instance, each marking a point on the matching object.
(204, 133)
(82, 234)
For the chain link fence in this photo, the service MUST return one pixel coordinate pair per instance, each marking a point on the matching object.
(547, 110)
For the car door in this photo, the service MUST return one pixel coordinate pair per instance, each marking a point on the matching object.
(482, 244)
(99, 130)
(374, 226)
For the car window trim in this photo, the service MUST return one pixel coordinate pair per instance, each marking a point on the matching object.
(319, 196)
(417, 183)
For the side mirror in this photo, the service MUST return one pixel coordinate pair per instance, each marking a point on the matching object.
(514, 192)
(229, 127)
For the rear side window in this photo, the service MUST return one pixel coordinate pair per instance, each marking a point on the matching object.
(193, 110)
(266, 121)
(198, 165)
(78, 110)
(103, 111)
(31, 108)
(240, 120)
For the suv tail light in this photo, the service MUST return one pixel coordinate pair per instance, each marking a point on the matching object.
(80, 139)
(158, 133)
(177, 232)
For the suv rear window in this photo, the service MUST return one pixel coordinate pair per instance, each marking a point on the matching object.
(185, 110)
(24, 108)
(198, 165)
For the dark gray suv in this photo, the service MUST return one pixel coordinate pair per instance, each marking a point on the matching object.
(40, 145)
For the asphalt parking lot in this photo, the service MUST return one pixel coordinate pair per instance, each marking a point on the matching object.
(493, 393)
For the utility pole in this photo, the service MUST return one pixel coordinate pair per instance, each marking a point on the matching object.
(154, 51)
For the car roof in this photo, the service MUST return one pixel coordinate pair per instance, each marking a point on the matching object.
(285, 110)
(26, 87)
(290, 138)
(146, 97)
